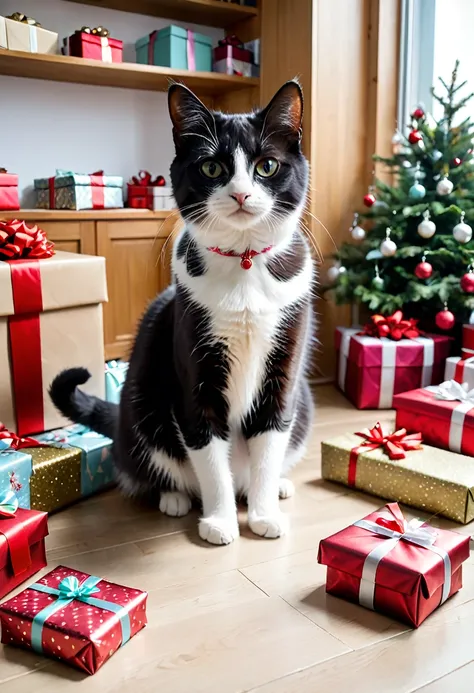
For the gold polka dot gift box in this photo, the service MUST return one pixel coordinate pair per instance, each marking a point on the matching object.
(398, 467)
(75, 617)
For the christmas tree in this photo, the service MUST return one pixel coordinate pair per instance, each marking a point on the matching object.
(411, 249)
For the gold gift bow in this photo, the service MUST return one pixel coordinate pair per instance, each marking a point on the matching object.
(96, 31)
(20, 17)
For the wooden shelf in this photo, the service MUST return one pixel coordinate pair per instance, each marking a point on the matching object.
(88, 214)
(61, 68)
(207, 12)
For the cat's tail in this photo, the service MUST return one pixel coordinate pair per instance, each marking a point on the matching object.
(80, 407)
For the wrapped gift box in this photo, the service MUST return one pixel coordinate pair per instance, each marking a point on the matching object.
(176, 47)
(468, 337)
(16, 468)
(115, 374)
(460, 369)
(54, 617)
(254, 48)
(67, 190)
(22, 550)
(50, 319)
(444, 415)
(20, 36)
(231, 58)
(85, 45)
(94, 473)
(56, 479)
(9, 199)
(402, 569)
(371, 370)
(429, 478)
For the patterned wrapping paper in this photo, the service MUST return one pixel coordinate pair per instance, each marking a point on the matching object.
(430, 479)
(403, 569)
(68, 190)
(115, 374)
(22, 550)
(83, 634)
(56, 480)
(16, 468)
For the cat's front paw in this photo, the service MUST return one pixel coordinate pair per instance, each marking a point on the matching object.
(175, 503)
(218, 530)
(269, 526)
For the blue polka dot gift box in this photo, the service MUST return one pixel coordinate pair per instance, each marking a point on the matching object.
(77, 618)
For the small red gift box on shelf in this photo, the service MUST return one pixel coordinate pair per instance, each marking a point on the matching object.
(402, 569)
(22, 550)
(94, 47)
(443, 414)
(75, 617)
(146, 193)
(375, 364)
(9, 199)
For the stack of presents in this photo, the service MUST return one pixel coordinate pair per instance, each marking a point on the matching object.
(405, 569)
(50, 319)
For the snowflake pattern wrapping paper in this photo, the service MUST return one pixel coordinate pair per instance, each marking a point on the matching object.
(74, 627)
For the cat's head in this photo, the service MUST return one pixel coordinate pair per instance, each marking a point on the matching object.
(239, 180)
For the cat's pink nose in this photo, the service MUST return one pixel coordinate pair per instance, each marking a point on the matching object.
(240, 197)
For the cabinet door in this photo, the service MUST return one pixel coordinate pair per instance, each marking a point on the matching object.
(138, 255)
(73, 236)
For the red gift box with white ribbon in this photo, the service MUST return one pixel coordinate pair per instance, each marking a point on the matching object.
(93, 47)
(443, 414)
(404, 569)
(9, 199)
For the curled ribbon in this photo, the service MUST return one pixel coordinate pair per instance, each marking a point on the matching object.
(69, 590)
(395, 528)
(144, 178)
(394, 445)
(393, 326)
(14, 442)
(8, 504)
(20, 241)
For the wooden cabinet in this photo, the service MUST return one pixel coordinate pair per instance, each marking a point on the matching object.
(137, 246)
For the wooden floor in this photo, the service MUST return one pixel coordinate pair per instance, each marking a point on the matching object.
(252, 616)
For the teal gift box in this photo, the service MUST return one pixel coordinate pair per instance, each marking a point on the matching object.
(16, 468)
(115, 374)
(176, 47)
(97, 469)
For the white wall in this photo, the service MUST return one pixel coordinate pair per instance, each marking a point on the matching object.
(48, 125)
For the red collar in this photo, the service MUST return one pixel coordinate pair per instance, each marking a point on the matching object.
(245, 257)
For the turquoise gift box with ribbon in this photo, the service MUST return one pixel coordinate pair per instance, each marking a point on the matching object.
(75, 617)
(16, 468)
(176, 47)
(115, 374)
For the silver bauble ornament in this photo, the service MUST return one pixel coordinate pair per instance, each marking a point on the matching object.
(444, 187)
(342, 269)
(358, 233)
(378, 283)
(462, 232)
(380, 204)
(333, 274)
(388, 248)
(426, 228)
(436, 155)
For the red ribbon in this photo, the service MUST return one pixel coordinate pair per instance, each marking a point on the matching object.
(232, 40)
(394, 327)
(151, 47)
(19, 241)
(144, 179)
(396, 523)
(17, 443)
(17, 543)
(395, 444)
(97, 188)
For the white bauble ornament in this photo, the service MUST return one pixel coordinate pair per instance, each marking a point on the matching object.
(358, 233)
(333, 274)
(426, 228)
(436, 155)
(462, 232)
(388, 248)
(444, 187)
(342, 269)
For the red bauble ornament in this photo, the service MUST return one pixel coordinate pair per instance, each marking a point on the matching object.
(246, 263)
(160, 181)
(423, 270)
(467, 282)
(457, 161)
(415, 137)
(445, 319)
(369, 199)
(418, 113)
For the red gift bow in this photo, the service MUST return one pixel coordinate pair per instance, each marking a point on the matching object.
(397, 522)
(145, 178)
(17, 443)
(232, 40)
(394, 326)
(394, 444)
(19, 241)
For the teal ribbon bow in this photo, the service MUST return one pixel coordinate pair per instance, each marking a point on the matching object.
(69, 590)
(8, 504)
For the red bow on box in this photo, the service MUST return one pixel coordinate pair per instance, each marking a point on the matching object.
(144, 178)
(394, 327)
(17, 443)
(19, 241)
(394, 444)
(232, 40)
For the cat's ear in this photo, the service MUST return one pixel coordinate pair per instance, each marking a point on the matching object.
(187, 112)
(284, 113)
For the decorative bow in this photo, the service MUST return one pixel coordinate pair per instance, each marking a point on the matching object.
(3, 170)
(20, 241)
(145, 178)
(12, 441)
(394, 444)
(393, 525)
(96, 31)
(393, 326)
(8, 504)
(71, 588)
(232, 40)
(20, 17)
(451, 391)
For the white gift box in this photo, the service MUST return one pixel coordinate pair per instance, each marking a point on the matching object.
(162, 197)
(231, 66)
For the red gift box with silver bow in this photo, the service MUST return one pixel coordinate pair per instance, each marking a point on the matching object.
(404, 569)
(444, 414)
(387, 357)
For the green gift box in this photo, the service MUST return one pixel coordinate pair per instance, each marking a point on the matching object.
(176, 47)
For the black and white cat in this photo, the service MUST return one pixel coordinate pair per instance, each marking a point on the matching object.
(216, 403)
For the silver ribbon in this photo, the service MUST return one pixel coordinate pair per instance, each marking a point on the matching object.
(451, 391)
(415, 533)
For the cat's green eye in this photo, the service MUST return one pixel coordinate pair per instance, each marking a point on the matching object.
(267, 168)
(211, 169)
